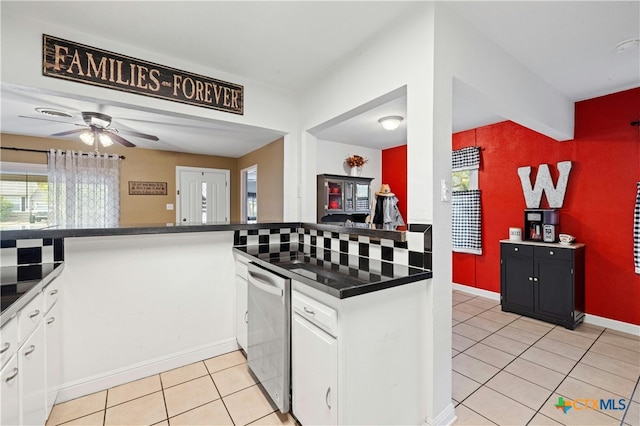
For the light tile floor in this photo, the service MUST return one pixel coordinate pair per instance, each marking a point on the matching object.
(216, 391)
(511, 370)
(507, 370)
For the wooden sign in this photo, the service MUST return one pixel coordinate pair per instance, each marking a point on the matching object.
(73, 61)
(147, 188)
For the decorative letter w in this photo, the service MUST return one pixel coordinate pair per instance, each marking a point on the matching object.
(555, 195)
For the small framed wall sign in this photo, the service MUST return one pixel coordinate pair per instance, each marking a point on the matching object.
(147, 188)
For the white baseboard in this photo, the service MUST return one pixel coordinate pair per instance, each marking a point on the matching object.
(130, 373)
(624, 327)
(477, 291)
(445, 417)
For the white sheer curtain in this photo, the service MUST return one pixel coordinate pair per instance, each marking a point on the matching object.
(84, 189)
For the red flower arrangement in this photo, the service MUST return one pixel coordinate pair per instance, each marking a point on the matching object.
(356, 161)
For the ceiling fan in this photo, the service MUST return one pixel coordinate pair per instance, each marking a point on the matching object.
(97, 130)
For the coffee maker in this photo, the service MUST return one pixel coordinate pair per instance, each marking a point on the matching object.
(541, 225)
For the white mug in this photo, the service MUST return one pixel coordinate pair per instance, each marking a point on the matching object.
(515, 234)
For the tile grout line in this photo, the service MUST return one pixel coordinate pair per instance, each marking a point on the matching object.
(600, 334)
(221, 398)
(502, 369)
(624, 415)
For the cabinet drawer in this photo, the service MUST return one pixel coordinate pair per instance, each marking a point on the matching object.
(241, 269)
(51, 293)
(519, 249)
(29, 317)
(553, 253)
(319, 314)
(9, 340)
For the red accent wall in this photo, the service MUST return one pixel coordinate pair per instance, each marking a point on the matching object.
(598, 206)
(394, 173)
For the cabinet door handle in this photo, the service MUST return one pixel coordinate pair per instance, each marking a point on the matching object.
(535, 279)
(530, 278)
(13, 376)
(309, 311)
(551, 252)
(51, 320)
(516, 249)
(327, 399)
(246, 317)
(53, 292)
(6, 347)
(31, 350)
(34, 314)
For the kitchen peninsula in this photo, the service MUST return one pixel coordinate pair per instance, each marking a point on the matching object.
(140, 300)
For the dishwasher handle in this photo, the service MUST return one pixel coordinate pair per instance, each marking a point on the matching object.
(259, 281)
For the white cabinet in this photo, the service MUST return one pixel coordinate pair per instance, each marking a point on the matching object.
(10, 409)
(8, 340)
(358, 360)
(53, 334)
(241, 302)
(314, 374)
(31, 366)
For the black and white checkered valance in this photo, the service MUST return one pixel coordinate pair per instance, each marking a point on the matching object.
(465, 159)
(466, 221)
(636, 232)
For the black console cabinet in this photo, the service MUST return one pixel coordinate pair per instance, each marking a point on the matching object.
(543, 281)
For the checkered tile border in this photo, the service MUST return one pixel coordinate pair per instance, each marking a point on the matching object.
(30, 252)
(416, 251)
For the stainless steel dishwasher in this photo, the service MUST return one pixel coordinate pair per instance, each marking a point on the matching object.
(268, 348)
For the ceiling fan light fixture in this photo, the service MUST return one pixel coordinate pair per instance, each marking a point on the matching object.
(87, 137)
(390, 122)
(105, 140)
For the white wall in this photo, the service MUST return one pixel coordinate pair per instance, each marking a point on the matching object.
(330, 158)
(269, 107)
(178, 290)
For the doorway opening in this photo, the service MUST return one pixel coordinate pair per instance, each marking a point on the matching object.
(203, 195)
(249, 194)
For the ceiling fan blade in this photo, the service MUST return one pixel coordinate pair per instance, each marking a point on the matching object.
(137, 134)
(120, 140)
(69, 132)
(53, 121)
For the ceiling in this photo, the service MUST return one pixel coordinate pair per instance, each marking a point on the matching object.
(571, 45)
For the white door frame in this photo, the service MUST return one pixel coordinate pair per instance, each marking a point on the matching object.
(243, 190)
(180, 169)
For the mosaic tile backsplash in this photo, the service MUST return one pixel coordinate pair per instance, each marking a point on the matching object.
(415, 251)
(32, 251)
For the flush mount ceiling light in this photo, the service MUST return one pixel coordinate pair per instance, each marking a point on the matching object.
(391, 122)
(632, 43)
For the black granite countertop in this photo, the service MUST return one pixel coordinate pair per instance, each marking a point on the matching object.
(137, 229)
(19, 284)
(337, 274)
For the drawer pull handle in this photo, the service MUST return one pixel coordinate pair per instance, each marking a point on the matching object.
(309, 311)
(31, 350)
(326, 398)
(516, 249)
(51, 320)
(34, 314)
(7, 345)
(551, 252)
(13, 376)
(53, 292)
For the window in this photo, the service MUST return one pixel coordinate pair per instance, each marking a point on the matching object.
(24, 195)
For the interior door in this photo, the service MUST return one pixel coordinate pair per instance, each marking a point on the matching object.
(203, 195)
